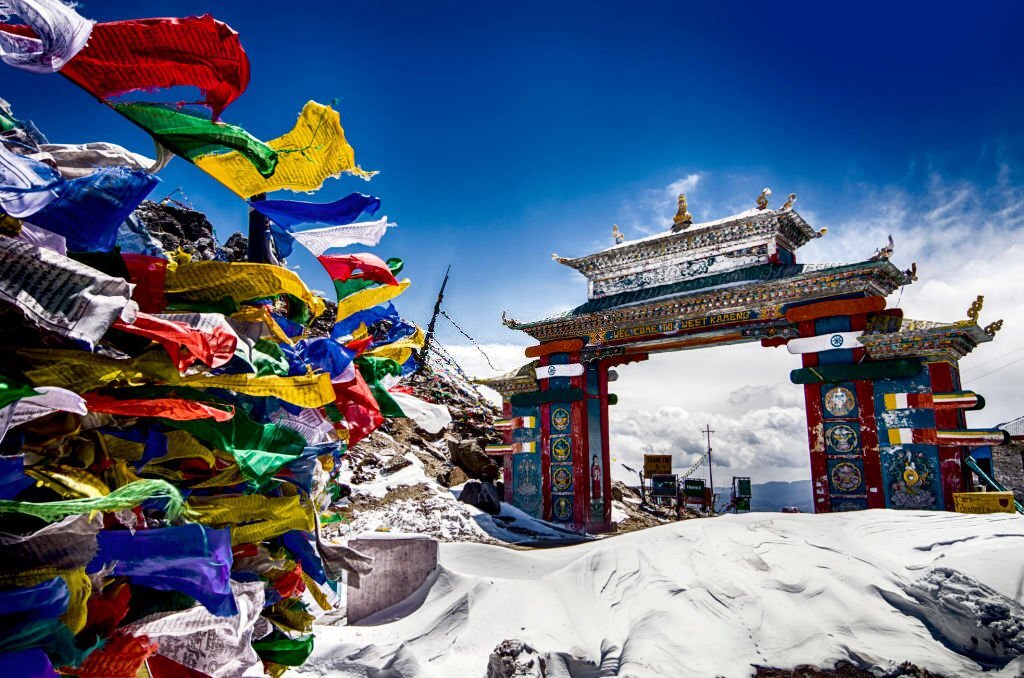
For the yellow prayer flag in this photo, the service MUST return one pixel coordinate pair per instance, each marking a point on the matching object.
(252, 517)
(368, 298)
(202, 281)
(400, 350)
(80, 372)
(314, 150)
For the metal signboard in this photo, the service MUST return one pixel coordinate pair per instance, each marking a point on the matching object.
(663, 485)
(693, 488)
(743, 487)
(657, 464)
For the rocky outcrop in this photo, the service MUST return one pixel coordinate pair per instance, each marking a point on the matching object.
(484, 496)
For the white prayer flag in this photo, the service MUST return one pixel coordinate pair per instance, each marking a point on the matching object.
(319, 240)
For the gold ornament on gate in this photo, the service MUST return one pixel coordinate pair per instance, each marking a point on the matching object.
(683, 219)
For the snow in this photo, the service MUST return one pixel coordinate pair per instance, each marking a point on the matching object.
(716, 596)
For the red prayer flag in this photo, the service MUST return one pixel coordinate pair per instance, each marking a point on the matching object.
(142, 54)
(178, 409)
(364, 266)
(357, 404)
(148, 273)
(184, 344)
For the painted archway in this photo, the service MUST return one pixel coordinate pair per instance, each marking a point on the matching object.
(885, 408)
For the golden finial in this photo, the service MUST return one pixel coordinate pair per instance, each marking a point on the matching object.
(617, 234)
(992, 328)
(975, 310)
(762, 200)
(682, 219)
(821, 233)
(788, 205)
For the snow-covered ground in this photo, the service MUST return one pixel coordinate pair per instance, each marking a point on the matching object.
(716, 597)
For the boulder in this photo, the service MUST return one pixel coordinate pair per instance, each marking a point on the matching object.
(515, 659)
(468, 455)
(484, 496)
(452, 477)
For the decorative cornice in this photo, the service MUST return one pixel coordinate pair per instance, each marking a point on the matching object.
(878, 278)
(923, 339)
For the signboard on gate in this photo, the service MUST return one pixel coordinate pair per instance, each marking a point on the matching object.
(663, 485)
(693, 488)
(657, 464)
(742, 487)
(983, 502)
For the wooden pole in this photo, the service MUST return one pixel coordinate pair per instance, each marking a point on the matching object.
(711, 475)
(433, 320)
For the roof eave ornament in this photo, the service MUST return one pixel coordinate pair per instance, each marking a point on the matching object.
(884, 253)
(617, 234)
(683, 219)
(508, 321)
(788, 205)
(762, 200)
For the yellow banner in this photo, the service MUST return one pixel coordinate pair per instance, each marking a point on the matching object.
(369, 298)
(314, 150)
(202, 281)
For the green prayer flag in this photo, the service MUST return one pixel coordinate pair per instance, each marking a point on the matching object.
(373, 370)
(11, 391)
(344, 288)
(280, 649)
(192, 136)
(260, 449)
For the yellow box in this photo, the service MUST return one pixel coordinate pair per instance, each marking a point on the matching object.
(657, 464)
(983, 502)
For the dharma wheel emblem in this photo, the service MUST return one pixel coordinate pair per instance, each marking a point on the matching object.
(836, 340)
(551, 371)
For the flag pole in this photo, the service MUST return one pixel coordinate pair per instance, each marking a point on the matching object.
(433, 321)
(258, 226)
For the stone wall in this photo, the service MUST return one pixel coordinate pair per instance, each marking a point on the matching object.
(1008, 467)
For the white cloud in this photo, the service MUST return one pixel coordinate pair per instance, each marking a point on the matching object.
(655, 209)
(684, 185)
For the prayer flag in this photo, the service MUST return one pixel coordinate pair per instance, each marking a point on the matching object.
(364, 266)
(314, 150)
(214, 346)
(52, 35)
(193, 137)
(291, 213)
(430, 417)
(319, 240)
(356, 403)
(146, 54)
(26, 185)
(80, 160)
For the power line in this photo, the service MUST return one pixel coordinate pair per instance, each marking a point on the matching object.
(997, 369)
(996, 359)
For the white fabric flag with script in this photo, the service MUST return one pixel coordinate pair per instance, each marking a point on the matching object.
(319, 240)
(61, 33)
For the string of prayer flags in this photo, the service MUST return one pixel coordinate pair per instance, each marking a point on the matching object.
(214, 280)
(178, 409)
(214, 346)
(147, 54)
(314, 150)
(51, 37)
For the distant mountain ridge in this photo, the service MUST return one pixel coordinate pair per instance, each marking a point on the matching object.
(774, 495)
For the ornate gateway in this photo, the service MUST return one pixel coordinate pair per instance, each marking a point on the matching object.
(885, 412)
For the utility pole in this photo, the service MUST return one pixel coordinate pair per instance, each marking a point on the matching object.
(257, 233)
(711, 475)
(433, 320)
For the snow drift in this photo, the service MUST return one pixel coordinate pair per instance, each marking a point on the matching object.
(717, 597)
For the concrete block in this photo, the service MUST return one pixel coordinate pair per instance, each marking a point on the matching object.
(401, 564)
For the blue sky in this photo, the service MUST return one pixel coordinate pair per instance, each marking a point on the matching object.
(507, 131)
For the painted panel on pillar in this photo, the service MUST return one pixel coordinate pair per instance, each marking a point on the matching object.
(526, 481)
(841, 503)
(525, 435)
(845, 476)
(561, 453)
(911, 477)
(840, 401)
(842, 439)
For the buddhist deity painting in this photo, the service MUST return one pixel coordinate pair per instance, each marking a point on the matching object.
(911, 478)
(840, 402)
(841, 439)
